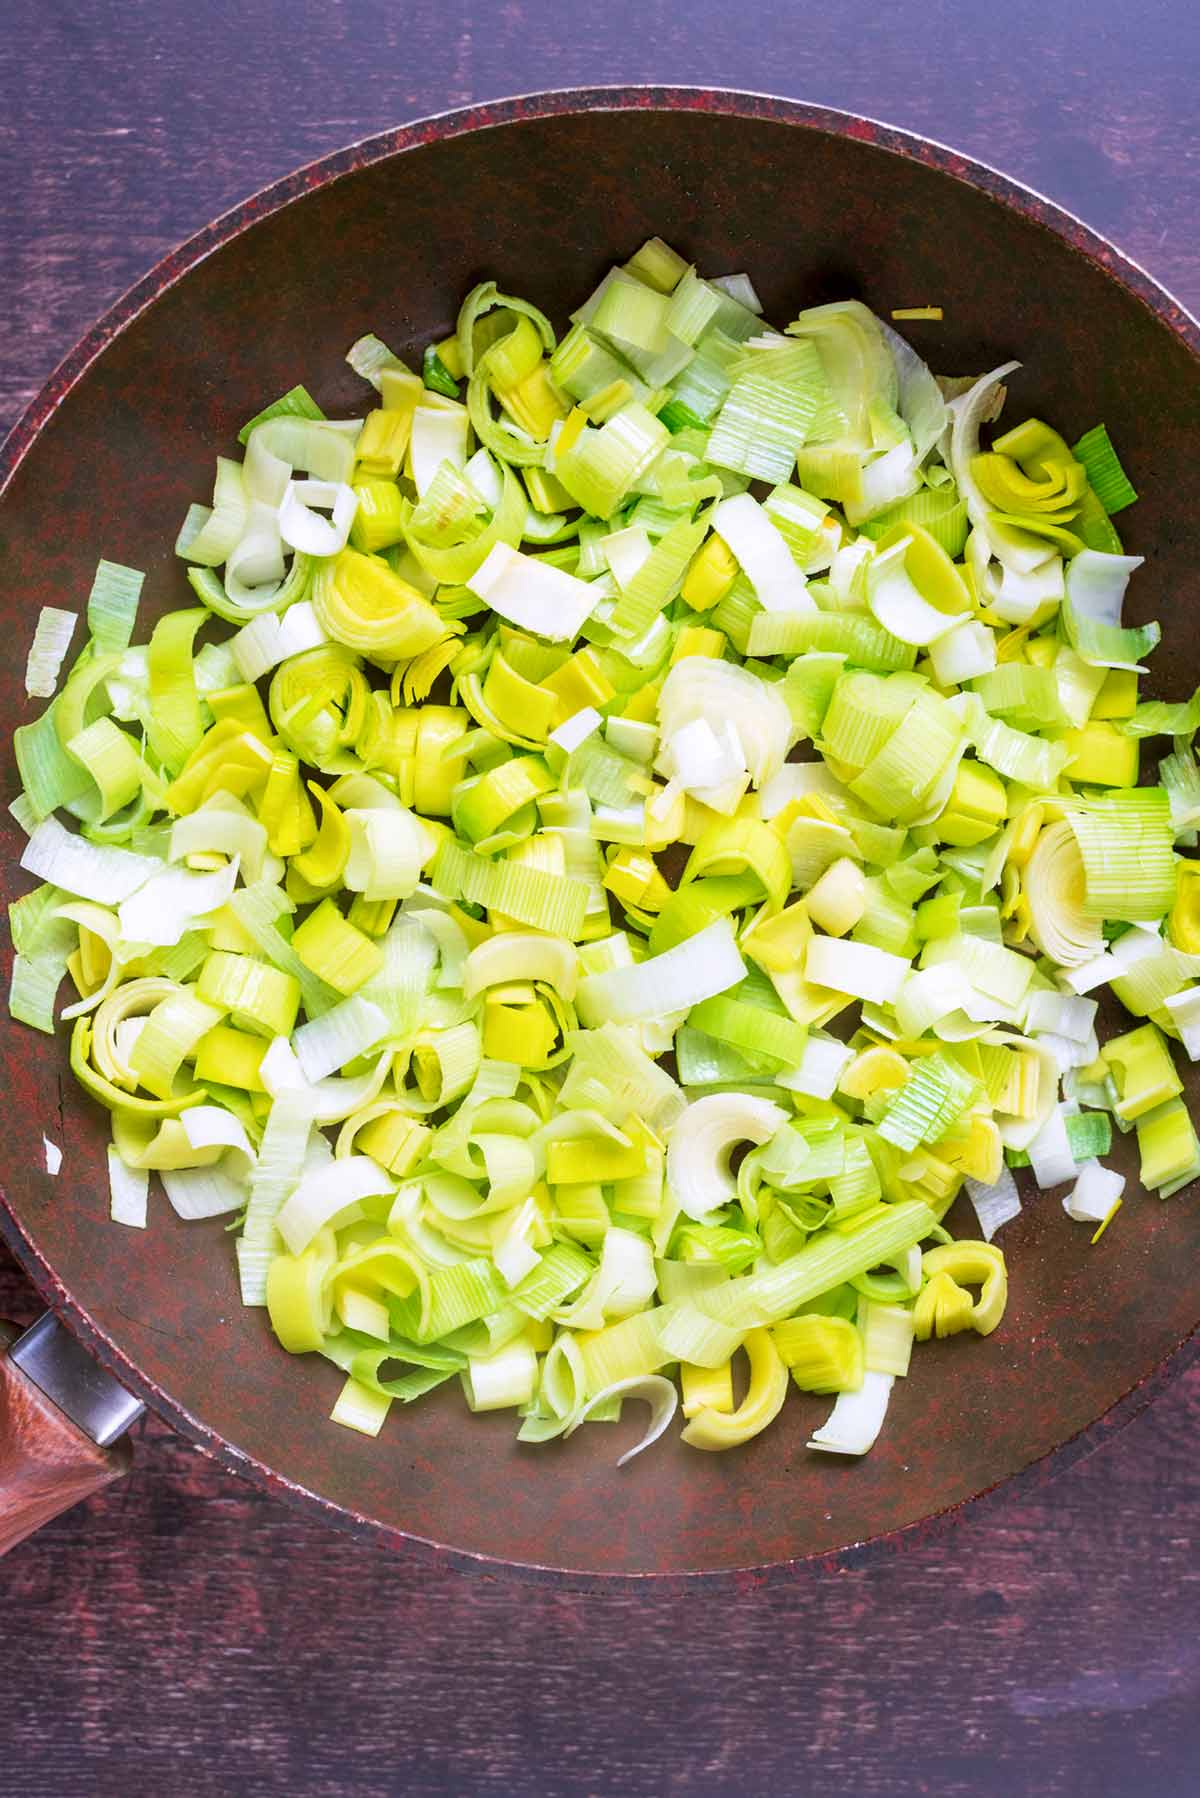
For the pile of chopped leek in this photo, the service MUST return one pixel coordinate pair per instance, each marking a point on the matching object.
(457, 919)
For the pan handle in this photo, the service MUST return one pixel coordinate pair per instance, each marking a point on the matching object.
(47, 1462)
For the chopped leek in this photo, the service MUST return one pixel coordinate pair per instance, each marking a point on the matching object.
(857, 1418)
(392, 981)
(51, 641)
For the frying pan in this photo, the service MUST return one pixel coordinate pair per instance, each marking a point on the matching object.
(544, 193)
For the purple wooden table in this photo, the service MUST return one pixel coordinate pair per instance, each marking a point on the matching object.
(184, 1634)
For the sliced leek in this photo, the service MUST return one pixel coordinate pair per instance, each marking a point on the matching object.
(375, 946)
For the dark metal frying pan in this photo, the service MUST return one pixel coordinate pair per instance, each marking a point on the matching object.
(543, 194)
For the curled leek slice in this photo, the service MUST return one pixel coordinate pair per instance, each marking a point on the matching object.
(856, 1418)
(318, 702)
(361, 603)
(954, 1266)
(657, 1392)
(1053, 881)
(715, 1430)
(700, 1143)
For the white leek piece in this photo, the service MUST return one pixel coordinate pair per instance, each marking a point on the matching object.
(278, 445)
(796, 780)
(699, 688)
(898, 604)
(1184, 1008)
(577, 728)
(654, 1389)
(747, 529)
(254, 569)
(705, 965)
(212, 1127)
(484, 476)
(533, 594)
(857, 1418)
(855, 968)
(995, 1204)
(129, 1189)
(265, 642)
(1054, 886)
(1061, 1015)
(700, 1143)
(1096, 584)
(512, 1250)
(739, 287)
(700, 759)
(224, 827)
(301, 524)
(90, 870)
(847, 571)
(497, 1382)
(517, 955)
(1018, 593)
(1134, 946)
(919, 399)
(328, 1101)
(622, 1285)
(166, 904)
(327, 1043)
(1050, 1152)
(626, 551)
(211, 1191)
(1094, 1193)
(963, 653)
(819, 1069)
(326, 1195)
(387, 849)
(210, 533)
(439, 434)
(51, 641)
(929, 995)
(969, 412)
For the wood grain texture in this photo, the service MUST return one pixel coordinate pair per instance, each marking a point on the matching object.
(46, 1463)
(181, 1632)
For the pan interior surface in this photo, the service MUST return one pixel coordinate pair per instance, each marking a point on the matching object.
(544, 204)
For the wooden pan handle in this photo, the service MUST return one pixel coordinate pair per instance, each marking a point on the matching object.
(47, 1464)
